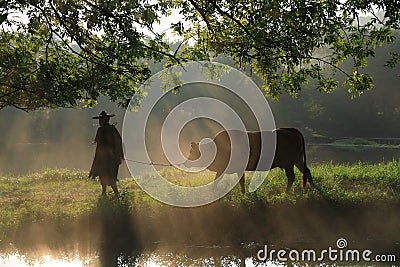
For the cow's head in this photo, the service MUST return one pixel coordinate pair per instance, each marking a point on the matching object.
(201, 154)
(194, 153)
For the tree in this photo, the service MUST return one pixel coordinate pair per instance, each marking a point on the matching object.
(64, 53)
(287, 43)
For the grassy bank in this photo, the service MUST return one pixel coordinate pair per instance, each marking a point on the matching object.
(65, 195)
(361, 144)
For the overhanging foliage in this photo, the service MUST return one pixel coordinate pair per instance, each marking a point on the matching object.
(68, 53)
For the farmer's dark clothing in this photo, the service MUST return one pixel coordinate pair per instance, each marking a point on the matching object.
(109, 153)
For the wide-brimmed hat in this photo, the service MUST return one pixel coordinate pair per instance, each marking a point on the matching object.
(104, 114)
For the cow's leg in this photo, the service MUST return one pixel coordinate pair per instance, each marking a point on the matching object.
(290, 176)
(241, 181)
(306, 174)
(304, 178)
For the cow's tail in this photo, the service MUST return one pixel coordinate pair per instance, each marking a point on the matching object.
(306, 171)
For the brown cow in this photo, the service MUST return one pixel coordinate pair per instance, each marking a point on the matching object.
(289, 152)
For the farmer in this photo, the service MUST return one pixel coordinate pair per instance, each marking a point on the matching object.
(109, 153)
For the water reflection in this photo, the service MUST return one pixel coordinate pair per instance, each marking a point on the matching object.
(104, 238)
(215, 235)
(158, 258)
(38, 156)
(325, 154)
(45, 261)
(119, 245)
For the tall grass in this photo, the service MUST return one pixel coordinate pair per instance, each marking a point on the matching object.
(61, 194)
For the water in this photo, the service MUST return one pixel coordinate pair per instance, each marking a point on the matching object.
(188, 256)
(158, 258)
(325, 153)
(215, 235)
(44, 261)
(24, 158)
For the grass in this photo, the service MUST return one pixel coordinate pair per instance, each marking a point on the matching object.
(361, 144)
(61, 194)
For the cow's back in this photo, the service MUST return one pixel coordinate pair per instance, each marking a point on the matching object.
(289, 147)
(266, 149)
(262, 150)
(231, 151)
(244, 148)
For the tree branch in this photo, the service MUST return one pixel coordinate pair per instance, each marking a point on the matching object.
(202, 14)
(260, 50)
(127, 35)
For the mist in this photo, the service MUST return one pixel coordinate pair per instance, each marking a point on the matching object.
(44, 139)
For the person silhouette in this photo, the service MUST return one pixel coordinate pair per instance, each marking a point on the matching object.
(109, 153)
